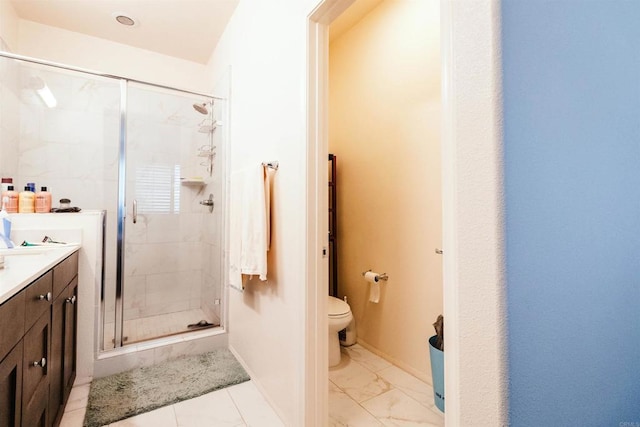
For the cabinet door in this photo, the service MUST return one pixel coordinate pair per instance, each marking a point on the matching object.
(11, 388)
(35, 381)
(70, 337)
(12, 323)
(36, 412)
(56, 360)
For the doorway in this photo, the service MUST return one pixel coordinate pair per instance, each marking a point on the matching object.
(384, 127)
(472, 213)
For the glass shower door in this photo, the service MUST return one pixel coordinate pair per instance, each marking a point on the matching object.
(166, 248)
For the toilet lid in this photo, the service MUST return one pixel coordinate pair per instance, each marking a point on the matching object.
(338, 307)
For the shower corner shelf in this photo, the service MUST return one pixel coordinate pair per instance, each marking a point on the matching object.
(193, 182)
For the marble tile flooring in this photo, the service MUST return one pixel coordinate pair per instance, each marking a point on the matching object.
(161, 325)
(366, 390)
(235, 406)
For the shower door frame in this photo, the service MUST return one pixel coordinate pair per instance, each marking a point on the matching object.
(122, 212)
(121, 203)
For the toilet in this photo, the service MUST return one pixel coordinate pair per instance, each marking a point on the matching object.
(339, 317)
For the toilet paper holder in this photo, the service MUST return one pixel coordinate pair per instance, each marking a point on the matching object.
(382, 276)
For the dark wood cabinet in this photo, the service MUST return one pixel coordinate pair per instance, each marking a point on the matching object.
(35, 369)
(38, 350)
(70, 337)
(63, 351)
(56, 399)
(11, 388)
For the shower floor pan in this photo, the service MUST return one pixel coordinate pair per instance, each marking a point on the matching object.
(163, 325)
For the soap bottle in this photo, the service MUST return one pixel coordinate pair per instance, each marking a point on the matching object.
(12, 200)
(26, 201)
(43, 201)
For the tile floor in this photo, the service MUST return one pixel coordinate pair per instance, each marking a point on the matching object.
(238, 405)
(366, 390)
(145, 328)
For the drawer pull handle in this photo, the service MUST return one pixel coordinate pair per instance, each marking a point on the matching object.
(71, 300)
(42, 362)
(47, 297)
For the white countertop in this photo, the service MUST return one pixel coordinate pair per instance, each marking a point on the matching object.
(23, 265)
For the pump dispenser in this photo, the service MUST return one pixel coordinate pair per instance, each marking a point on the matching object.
(43, 201)
(12, 200)
(26, 201)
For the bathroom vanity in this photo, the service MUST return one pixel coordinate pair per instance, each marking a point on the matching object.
(38, 335)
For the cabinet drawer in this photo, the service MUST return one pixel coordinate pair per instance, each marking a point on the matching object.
(64, 272)
(39, 299)
(12, 323)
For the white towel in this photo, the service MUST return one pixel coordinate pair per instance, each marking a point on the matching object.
(249, 224)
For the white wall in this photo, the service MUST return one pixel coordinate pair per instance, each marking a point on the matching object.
(265, 45)
(472, 215)
(93, 53)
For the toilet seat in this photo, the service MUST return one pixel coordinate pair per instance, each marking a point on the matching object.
(338, 308)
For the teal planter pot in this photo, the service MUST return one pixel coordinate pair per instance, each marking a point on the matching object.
(437, 373)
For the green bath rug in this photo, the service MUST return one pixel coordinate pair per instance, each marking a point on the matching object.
(142, 390)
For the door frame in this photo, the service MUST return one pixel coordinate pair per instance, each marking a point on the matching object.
(473, 236)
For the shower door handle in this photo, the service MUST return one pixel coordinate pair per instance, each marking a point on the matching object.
(135, 211)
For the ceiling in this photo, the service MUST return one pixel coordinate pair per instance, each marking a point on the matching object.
(187, 29)
(351, 16)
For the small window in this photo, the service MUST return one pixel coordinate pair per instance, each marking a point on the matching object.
(158, 189)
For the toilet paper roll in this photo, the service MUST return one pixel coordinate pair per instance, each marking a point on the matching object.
(372, 277)
(374, 288)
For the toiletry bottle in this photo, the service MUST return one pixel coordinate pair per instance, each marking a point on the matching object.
(12, 200)
(6, 182)
(5, 225)
(43, 201)
(26, 201)
(32, 186)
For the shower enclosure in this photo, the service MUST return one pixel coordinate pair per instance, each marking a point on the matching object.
(148, 155)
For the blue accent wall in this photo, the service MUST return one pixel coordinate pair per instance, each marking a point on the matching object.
(572, 186)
